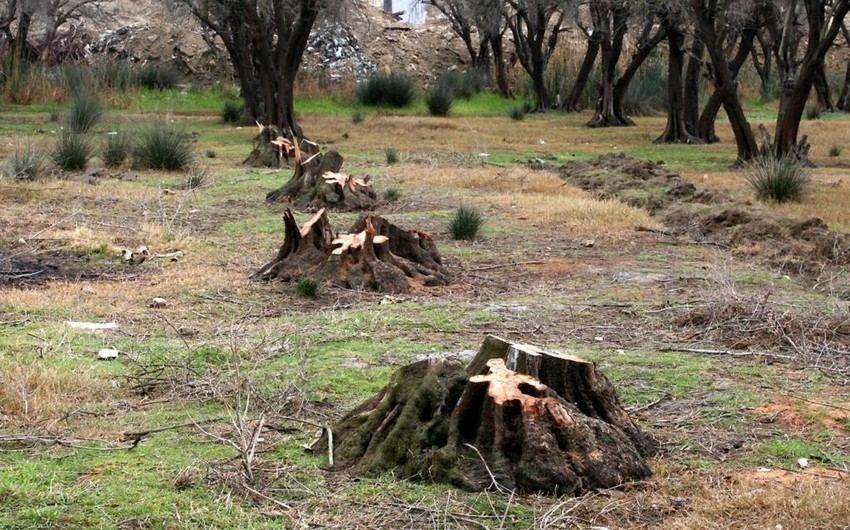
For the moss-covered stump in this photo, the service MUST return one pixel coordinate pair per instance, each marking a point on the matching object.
(516, 418)
(317, 183)
(374, 255)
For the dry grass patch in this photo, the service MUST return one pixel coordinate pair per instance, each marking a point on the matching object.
(816, 498)
(540, 196)
(35, 394)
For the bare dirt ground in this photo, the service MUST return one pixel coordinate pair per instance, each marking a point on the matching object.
(736, 365)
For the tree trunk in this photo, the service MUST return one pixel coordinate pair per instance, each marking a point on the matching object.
(822, 90)
(614, 30)
(375, 255)
(693, 72)
(676, 130)
(573, 101)
(499, 66)
(844, 98)
(644, 49)
(706, 123)
(724, 82)
(516, 419)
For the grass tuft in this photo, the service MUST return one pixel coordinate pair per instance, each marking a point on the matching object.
(72, 151)
(307, 288)
(391, 155)
(25, 163)
(439, 101)
(232, 112)
(389, 90)
(392, 194)
(835, 151)
(85, 112)
(115, 149)
(780, 179)
(161, 146)
(517, 113)
(357, 117)
(813, 112)
(466, 223)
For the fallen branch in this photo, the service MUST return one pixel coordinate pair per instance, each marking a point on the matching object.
(731, 353)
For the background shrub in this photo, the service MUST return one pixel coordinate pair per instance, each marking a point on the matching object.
(72, 151)
(232, 112)
(84, 113)
(357, 117)
(517, 113)
(392, 194)
(460, 84)
(780, 179)
(115, 149)
(25, 163)
(465, 223)
(439, 101)
(162, 146)
(390, 90)
(813, 112)
(156, 76)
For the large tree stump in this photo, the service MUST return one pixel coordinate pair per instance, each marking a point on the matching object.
(374, 255)
(516, 418)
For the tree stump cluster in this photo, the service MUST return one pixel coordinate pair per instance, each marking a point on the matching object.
(373, 255)
(515, 418)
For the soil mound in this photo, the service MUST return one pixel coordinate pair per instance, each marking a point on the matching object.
(790, 244)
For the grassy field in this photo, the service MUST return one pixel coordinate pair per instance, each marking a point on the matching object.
(732, 428)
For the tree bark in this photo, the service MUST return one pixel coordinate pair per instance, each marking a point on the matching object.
(516, 419)
(822, 90)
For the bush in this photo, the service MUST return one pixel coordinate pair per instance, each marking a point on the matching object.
(155, 76)
(517, 113)
(461, 85)
(72, 151)
(115, 149)
(25, 163)
(392, 194)
(232, 112)
(813, 112)
(391, 155)
(777, 179)
(466, 223)
(357, 117)
(210, 153)
(161, 146)
(439, 102)
(307, 288)
(391, 90)
(835, 151)
(84, 113)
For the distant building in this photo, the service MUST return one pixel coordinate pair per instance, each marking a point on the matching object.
(413, 11)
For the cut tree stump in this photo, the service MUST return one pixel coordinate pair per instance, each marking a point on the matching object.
(318, 183)
(516, 418)
(374, 255)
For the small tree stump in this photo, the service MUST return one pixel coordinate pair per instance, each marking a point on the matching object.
(317, 183)
(497, 423)
(374, 255)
